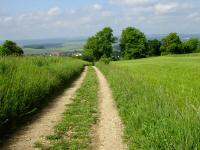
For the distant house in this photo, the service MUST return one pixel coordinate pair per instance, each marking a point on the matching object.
(78, 53)
(55, 54)
(71, 53)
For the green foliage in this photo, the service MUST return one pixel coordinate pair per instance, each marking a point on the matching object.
(171, 44)
(105, 39)
(154, 47)
(191, 46)
(158, 101)
(100, 44)
(91, 49)
(1, 51)
(89, 55)
(133, 43)
(105, 60)
(74, 131)
(25, 82)
(10, 48)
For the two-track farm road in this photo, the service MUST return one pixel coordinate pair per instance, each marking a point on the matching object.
(45, 121)
(110, 128)
(109, 132)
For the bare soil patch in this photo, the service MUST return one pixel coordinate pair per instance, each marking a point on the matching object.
(110, 127)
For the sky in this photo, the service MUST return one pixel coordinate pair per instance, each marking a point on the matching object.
(37, 19)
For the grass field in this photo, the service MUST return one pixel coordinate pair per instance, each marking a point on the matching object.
(25, 82)
(158, 100)
(75, 130)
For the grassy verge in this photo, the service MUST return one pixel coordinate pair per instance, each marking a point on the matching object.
(26, 82)
(158, 101)
(74, 131)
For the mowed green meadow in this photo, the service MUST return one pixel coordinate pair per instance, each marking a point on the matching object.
(158, 100)
(25, 82)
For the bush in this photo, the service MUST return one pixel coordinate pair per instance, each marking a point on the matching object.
(105, 60)
(10, 48)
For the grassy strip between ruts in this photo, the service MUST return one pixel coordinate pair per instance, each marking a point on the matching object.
(74, 132)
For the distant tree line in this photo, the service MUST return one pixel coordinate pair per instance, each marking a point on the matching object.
(134, 45)
(44, 46)
(10, 48)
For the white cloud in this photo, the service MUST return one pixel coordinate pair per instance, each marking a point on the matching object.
(141, 19)
(151, 16)
(97, 6)
(54, 11)
(165, 8)
(72, 11)
(194, 16)
(137, 3)
(55, 22)
(21, 17)
(8, 19)
(106, 13)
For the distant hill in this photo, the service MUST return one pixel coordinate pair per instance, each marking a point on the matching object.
(184, 37)
(44, 46)
(51, 45)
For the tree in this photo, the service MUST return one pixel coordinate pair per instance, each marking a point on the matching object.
(154, 47)
(133, 43)
(191, 45)
(10, 48)
(171, 44)
(105, 39)
(91, 49)
(89, 55)
(100, 44)
(1, 51)
(198, 47)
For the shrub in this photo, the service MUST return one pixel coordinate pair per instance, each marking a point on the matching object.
(105, 60)
(10, 48)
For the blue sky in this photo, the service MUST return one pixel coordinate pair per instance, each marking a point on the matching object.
(32, 19)
(20, 6)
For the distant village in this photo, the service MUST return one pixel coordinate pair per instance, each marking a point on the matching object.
(71, 53)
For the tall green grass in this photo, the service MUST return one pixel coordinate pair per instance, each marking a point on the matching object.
(25, 82)
(158, 100)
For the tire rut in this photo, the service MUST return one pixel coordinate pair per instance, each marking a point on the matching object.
(110, 128)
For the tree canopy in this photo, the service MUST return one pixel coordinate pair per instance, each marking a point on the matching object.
(154, 47)
(133, 43)
(171, 44)
(99, 45)
(191, 46)
(10, 48)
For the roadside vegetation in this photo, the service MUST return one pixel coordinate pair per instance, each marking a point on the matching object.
(26, 82)
(75, 130)
(158, 101)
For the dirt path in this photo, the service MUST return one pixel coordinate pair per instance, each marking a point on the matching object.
(110, 128)
(46, 120)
